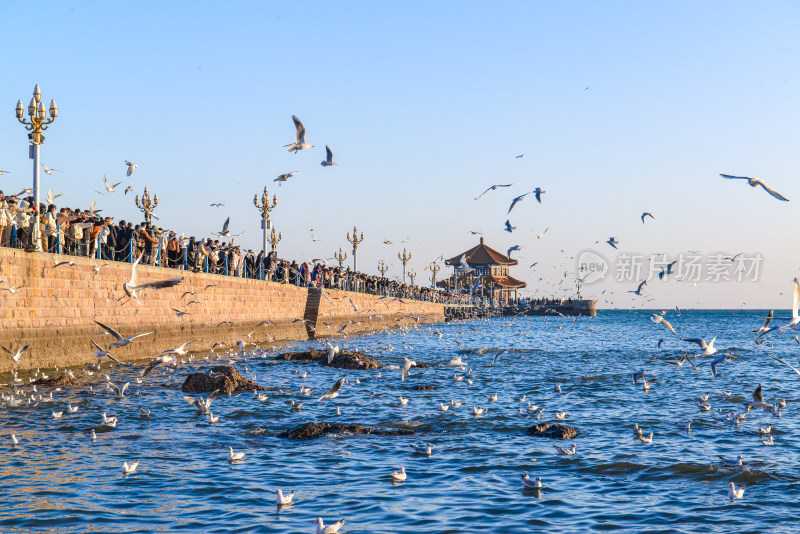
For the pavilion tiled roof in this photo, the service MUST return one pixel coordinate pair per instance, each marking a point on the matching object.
(507, 281)
(482, 254)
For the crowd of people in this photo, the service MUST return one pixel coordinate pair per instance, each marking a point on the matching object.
(80, 232)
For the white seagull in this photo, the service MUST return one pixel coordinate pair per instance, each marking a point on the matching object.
(131, 167)
(109, 188)
(734, 493)
(16, 356)
(755, 182)
(330, 529)
(328, 161)
(407, 365)
(120, 341)
(532, 483)
(283, 500)
(132, 286)
(399, 476)
(334, 391)
(128, 469)
(299, 137)
(235, 456)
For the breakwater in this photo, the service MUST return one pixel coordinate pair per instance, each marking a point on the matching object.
(55, 309)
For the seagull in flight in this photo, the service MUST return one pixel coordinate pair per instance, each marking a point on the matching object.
(765, 326)
(755, 182)
(795, 313)
(120, 341)
(539, 236)
(109, 188)
(510, 228)
(131, 167)
(16, 356)
(658, 319)
(513, 249)
(225, 231)
(514, 202)
(216, 205)
(284, 177)
(790, 366)
(647, 214)
(299, 137)
(667, 271)
(334, 391)
(328, 161)
(407, 365)
(538, 194)
(708, 348)
(49, 171)
(131, 287)
(101, 353)
(493, 188)
(613, 242)
(51, 198)
(639, 289)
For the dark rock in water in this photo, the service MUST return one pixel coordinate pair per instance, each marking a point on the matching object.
(316, 430)
(345, 359)
(546, 430)
(62, 381)
(423, 388)
(224, 378)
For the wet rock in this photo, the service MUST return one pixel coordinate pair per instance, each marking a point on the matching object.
(345, 359)
(423, 388)
(546, 430)
(224, 378)
(316, 430)
(63, 381)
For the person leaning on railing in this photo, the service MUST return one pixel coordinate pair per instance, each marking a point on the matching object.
(5, 222)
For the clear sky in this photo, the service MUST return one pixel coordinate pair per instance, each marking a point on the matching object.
(619, 107)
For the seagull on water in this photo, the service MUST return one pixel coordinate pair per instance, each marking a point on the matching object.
(732, 463)
(330, 529)
(299, 137)
(755, 182)
(328, 161)
(283, 500)
(400, 476)
(734, 493)
(202, 404)
(493, 188)
(128, 469)
(567, 452)
(119, 392)
(235, 456)
(120, 341)
(532, 483)
(426, 449)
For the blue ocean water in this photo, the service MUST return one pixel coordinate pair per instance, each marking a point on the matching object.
(58, 480)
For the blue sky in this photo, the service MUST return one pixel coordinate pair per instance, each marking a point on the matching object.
(425, 105)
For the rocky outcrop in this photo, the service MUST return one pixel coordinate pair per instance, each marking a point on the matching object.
(345, 359)
(546, 430)
(316, 430)
(224, 378)
(63, 381)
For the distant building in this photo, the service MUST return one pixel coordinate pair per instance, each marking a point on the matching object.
(486, 276)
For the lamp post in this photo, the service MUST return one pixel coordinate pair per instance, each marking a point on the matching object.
(412, 275)
(382, 267)
(36, 125)
(265, 208)
(434, 269)
(340, 257)
(147, 205)
(355, 241)
(274, 238)
(404, 258)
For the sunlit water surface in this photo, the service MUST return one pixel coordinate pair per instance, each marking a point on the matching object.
(58, 480)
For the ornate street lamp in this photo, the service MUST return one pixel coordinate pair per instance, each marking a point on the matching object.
(340, 257)
(434, 269)
(147, 205)
(412, 275)
(382, 267)
(355, 241)
(404, 258)
(265, 208)
(274, 238)
(36, 125)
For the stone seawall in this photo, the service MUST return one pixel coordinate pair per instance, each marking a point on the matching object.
(55, 310)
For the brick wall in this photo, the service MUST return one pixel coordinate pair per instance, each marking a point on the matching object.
(56, 309)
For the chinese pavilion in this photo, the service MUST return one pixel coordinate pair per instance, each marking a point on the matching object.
(485, 274)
